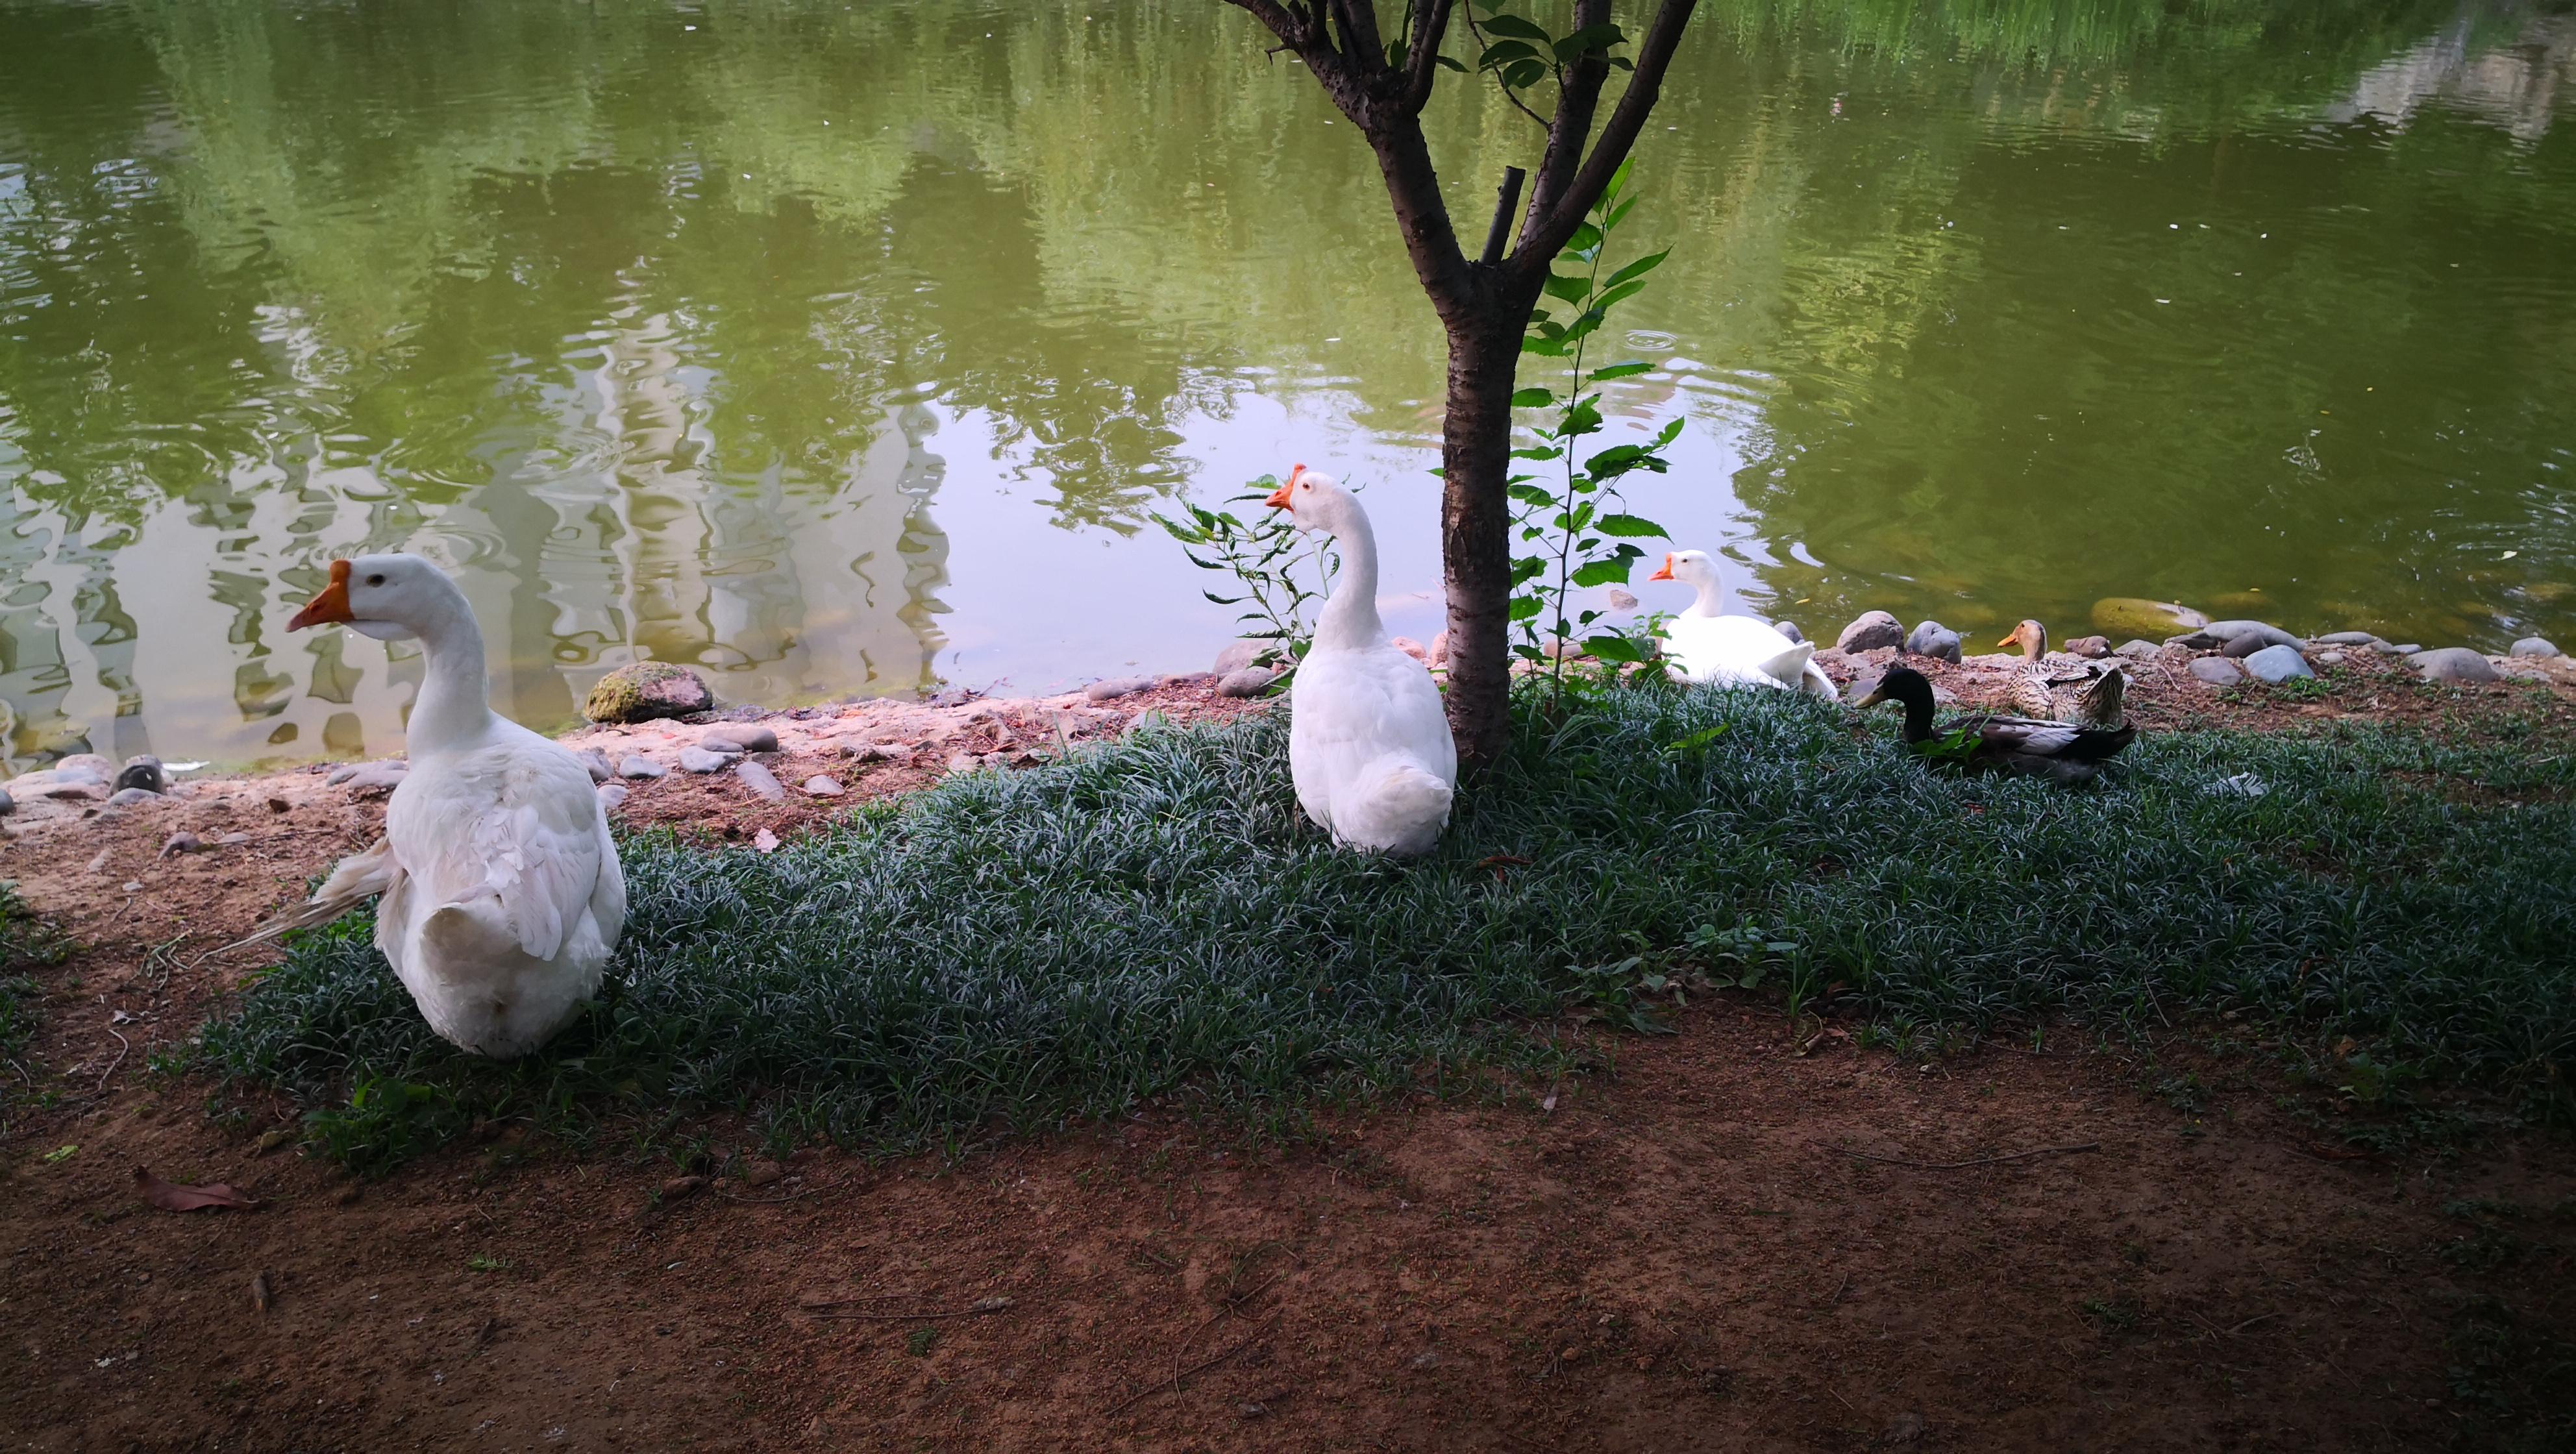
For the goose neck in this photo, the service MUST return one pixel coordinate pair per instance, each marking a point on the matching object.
(1349, 620)
(452, 708)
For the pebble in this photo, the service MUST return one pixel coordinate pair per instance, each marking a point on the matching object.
(2278, 664)
(2218, 671)
(1869, 631)
(181, 843)
(2136, 650)
(1252, 681)
(1790, 630)
(143, 772)
(641, 767)
(123, 796)
(2330, 658)
(1932, 639)
(612, 796)
(824, 786)
(2092, 648)
(874, 752)
(597, 762)
(1621, 601)
(1117, 687)
(739, 737)
(2455, 664)
(760, 780)
(2535, 646)
(698, 759)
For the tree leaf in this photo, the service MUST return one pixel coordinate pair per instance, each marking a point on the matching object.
(1611, 572)
(1573, 289)
(1589, 38)
(1520, 75)
(1630, 527)
(1453, 64)
(1539, 452)
(1546, 347)
(1514, 25)
(1586, 237)
(1636, 270)
(1612, 297)
(1530, 398)
(1614, 648)
(1524, 607)
(1504, 52)
(172, 1197)
(1531, 495)
(1622, 371)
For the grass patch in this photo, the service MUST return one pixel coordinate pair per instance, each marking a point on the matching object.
(1009, 952)
(25, 943)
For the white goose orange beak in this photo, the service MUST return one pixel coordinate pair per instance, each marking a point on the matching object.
(1666, 573)
(1279, 497)
(332, 605)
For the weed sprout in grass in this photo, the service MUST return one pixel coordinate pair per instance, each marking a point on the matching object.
(1149, 921)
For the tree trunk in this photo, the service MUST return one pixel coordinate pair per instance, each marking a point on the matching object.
(1475, 529)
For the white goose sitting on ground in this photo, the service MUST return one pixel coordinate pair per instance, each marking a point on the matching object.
(1368, 744)
(502, 894)
(1707, 646)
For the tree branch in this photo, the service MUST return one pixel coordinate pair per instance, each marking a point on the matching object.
(1359, 34)
(1578, 95)
(1276, 19)
(1540, 244)
(1422, 58)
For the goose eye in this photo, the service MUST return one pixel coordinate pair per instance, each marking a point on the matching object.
(375, 580)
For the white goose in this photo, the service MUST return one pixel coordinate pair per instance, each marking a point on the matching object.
(503, 896)
(1368, 745)
(1707, 647)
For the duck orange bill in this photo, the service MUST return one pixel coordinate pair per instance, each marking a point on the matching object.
(1666, 573)
(1279, 497)
(331, 605)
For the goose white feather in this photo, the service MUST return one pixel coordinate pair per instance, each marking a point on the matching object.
(1368, 744)
(1706, 646)
(501, 893)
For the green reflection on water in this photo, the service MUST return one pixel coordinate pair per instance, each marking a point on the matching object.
(694, 332)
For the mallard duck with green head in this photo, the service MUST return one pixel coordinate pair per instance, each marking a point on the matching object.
(2066, 752)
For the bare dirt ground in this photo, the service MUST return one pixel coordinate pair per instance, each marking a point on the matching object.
(1729, 1240)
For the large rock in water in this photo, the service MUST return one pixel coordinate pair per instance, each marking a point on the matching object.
(646, 690)
(2133, 616)
(1869, 631)
(2252, 636)
(2540, 646)
(1932, 639)
(2455, 664)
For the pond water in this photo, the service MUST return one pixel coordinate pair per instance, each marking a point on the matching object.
(840, 348)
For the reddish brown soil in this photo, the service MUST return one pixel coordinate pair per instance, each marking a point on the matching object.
(1682, 1253)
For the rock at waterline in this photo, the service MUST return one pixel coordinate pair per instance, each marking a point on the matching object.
(143, 772)
(2455, 664)
(2139, 617)
(738, 737)
(2217, 671)
(2092, 648)
(823, 786)
(1251, 681)
(640, 767)
(83, 775)
(1117, 687)
(760, 780)
(698, 759)
(2219, 634)
(1869, 631)
(125, 796)
(1932, 639)
(597, 762)
(2136, 650)
(644, 690)
(1790, 630)
(2535, 646)
(1241, 653)
(2277, 664)
(2345, 638)
(2391, 648)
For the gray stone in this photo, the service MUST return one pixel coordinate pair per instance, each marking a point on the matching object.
(1621, 601)
(2330, 658)
(612, 796)
(1117, 687)
(378, 777)
(2277, 664)
(2244, 646)
(645, 690)
(1932, 639)
(143, 771)
(2092, 648)
(2535, 646)
(1239, 654)
(597, 762)
(1869, 631)
(2218, 671)
(8, 804)
(2223, 633)
(2136, 650)
(2455, 664)
(2390, 648)
(182, 842)
(1252, 681)
(1790, 630)
(823, 786)
(2345, 638)
(698, 759)
(640, 767)
(874, 752)
(123, 796)
(738, 737)
(2406, 648)
(760, 780)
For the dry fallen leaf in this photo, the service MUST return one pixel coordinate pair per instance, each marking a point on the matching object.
(765, 841)
(172, 1197)
(260, 1294)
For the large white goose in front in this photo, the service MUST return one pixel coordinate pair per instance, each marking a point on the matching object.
(502, 893)
(1368, 745)
(1705, 646)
